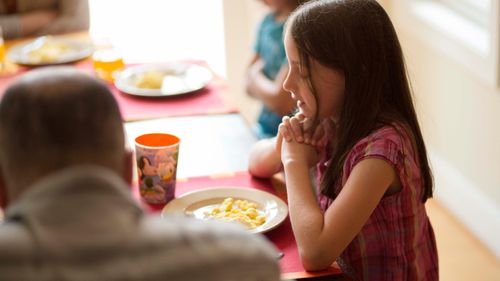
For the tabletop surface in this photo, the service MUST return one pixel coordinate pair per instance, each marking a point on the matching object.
(210, 144)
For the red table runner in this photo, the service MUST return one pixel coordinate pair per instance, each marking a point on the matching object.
(205, 101)
(282, 236)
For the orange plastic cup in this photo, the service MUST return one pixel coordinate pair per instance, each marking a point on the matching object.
(157, 155)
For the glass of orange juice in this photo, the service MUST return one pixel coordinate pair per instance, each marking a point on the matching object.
(107, 63)
(2, 52)
(106, 59)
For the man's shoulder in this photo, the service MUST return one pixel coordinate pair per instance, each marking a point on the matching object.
(175, 248)
(15, 241)
(200, 250)
(183, 231)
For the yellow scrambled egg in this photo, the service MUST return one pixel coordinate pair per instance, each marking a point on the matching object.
(150, 80)
(47, 50)
(240, 211)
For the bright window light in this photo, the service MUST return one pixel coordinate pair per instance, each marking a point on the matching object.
(159, 31)
(478, 11)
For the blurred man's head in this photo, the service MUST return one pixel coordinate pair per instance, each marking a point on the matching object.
(54, 118)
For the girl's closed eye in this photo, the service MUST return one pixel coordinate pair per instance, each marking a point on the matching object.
(303, 72)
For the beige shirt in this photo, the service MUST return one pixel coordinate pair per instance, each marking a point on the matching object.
(82, 224)
(73, 16)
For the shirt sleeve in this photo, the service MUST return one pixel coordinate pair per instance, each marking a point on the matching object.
(385, 145)
(257, 47)
(385, 149)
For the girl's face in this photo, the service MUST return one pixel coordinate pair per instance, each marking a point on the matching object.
(326, 98)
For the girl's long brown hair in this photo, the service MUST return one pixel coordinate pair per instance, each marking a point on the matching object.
(358, 38)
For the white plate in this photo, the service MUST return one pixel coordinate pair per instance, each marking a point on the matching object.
(178, 79)
(195, 203)
(76, 50)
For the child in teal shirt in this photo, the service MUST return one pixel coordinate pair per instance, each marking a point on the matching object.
(269, 68)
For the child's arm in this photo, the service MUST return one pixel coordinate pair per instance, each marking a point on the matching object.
(270, 92)
(264, 159)
(321, 239)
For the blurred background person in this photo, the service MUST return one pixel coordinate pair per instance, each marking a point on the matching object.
(19, 18)
(269, 67)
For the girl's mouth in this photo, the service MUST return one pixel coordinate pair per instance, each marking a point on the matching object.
(300, 103)
(301, 106)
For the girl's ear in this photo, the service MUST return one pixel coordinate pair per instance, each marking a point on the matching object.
(3, 192)
(127, 166)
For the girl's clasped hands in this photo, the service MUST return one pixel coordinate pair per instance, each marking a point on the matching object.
(302, 139)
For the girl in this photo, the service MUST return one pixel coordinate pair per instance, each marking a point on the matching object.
(268, 69)
(357, 123)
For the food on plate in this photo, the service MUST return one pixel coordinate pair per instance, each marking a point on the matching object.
(152, 79)
(46, 50)
(240, 211)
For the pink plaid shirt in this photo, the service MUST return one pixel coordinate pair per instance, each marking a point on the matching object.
(397, 242)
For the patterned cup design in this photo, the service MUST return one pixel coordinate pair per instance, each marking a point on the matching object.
(157, 156)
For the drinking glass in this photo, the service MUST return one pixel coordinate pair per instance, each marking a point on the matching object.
(2, 52)
(106, 59)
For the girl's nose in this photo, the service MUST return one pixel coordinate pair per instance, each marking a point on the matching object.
(289, 90)
(287, 84)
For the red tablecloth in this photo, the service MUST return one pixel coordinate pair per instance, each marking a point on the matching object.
(282, 236)
(205, 101)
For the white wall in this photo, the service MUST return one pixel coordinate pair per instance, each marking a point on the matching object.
(241, 18)
(459, 113)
